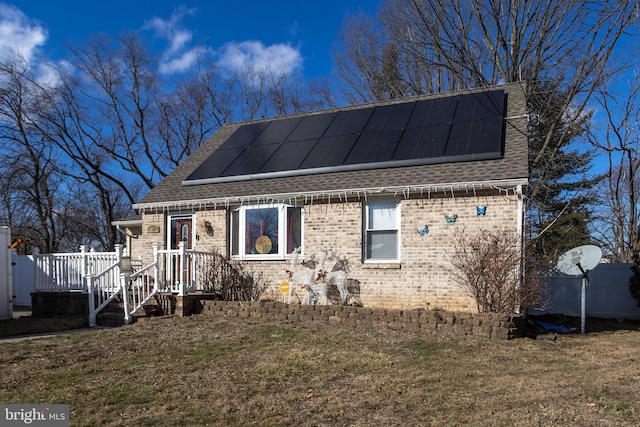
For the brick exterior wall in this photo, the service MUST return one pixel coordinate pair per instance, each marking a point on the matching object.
(421, 280)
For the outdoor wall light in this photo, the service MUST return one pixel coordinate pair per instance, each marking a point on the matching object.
(206, 227)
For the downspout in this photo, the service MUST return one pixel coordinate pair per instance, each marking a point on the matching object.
(521, 246)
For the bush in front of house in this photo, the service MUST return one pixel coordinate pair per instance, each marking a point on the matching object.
(231, 281)
(488, 267)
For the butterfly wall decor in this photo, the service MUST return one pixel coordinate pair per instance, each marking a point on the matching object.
(481, 210)
(451, 218)
(423, 231)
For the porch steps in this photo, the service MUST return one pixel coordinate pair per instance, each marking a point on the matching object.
(113, 314)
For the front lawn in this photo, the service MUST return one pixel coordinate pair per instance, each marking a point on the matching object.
(204, 371)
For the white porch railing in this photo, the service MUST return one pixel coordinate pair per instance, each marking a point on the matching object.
(103, 276)
(183, 270)
(67, 272)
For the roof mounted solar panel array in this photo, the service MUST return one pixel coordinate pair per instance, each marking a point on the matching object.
(438, 130)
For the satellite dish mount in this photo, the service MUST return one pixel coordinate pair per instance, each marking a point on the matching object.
(578, 262)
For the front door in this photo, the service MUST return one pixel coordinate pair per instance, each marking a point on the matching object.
(181, 231)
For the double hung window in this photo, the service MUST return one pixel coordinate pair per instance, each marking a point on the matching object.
(382, 231)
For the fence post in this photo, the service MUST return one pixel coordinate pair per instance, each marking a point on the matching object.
(183, 268)
(92, 300)
(85, 260)
(118, 249)
(124, 279)
(38, 267)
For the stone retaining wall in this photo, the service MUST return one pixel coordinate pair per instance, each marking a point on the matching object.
(495, 326)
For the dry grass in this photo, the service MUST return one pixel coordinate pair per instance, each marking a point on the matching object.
(205, 371)
(28, 325)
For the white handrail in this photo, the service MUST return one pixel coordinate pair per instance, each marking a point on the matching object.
(101, 289)
(139, 288)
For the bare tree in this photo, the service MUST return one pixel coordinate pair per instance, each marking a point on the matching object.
(116, 94)
(618, 215)
(269, 92)
(415, 47)
(110, 126)
(33, 205)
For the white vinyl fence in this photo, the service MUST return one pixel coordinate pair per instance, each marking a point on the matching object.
(607, 294)
(23, 279)
(6, 282)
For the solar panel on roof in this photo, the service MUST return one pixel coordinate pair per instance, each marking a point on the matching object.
(458, 139)
(477, 106)
(244, 136)
(423, 142)
(440, 110)
(485, 136)
(330, 151)
(390, 117)
(349, 122)
(454, 128)
(374, 147)
(288, 156)
(251, 160)
(465, 140)
(277, 131)
(492, 104)
(311, 127)
(216, 164)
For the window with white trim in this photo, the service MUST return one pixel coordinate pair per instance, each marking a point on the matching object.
(265, 231)
(382, 231)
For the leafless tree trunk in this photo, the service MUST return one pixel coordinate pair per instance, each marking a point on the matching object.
(619, 214)
(29, 166)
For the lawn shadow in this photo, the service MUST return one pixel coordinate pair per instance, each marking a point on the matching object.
(592, 324)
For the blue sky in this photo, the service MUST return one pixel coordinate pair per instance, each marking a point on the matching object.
(291, 34)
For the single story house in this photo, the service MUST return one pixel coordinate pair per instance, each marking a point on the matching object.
(385, 189)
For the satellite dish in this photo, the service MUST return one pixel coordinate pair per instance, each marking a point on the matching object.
(579, 260)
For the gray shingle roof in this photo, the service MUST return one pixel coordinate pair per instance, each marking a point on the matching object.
(512, 167)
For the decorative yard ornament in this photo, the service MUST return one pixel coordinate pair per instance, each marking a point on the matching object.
(337, 278)
(424, 230)
(578, 262)
(451, 218)
(284, 287)
(481, 210)
(297, 278)
(314, 280)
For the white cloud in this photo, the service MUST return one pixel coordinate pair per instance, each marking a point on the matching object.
(19, 34)
(254, 55)
(234, 57)
(178, 56)
(180, 63)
